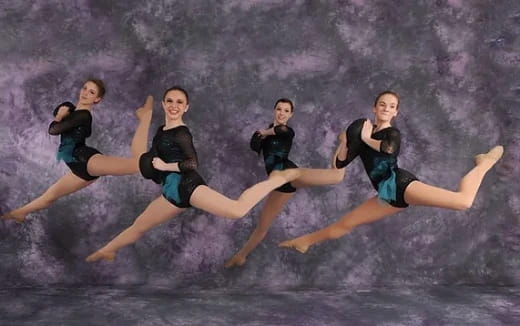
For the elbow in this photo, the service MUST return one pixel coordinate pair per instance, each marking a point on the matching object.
(388, 150)
(188, 166)
(53, 129)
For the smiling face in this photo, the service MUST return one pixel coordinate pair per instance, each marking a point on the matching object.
(89, 94)
(283, 111)
(175, 104)
(386, 108)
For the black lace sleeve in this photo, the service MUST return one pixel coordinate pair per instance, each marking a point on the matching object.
(256, 142)
(75, 119)
(391, 143)
(71, 107)
(284, 131)
(185, 142)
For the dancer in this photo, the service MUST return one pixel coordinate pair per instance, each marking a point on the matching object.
(172, 161)
(275, 143)
(378, 146)
(73, 123)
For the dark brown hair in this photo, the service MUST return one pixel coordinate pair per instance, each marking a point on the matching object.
(180, 89)
(284, 100)
(388, 92)
(100, 85)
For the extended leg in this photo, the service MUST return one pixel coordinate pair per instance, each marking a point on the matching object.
(215, 203)
(370, 211)
(273, 206)
(418, 193)
(159, 211)
(67, 184)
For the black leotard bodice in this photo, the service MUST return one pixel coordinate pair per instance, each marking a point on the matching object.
(275, 148)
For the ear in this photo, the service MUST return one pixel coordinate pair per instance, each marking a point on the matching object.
(187, 108)
(97, 100)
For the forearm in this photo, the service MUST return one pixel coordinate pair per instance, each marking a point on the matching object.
(269, 132)
(173, 167)
(58, 126)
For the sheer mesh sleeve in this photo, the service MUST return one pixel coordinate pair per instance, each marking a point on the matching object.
(352, 153)
(256, 142)
(284, 131)
(391, 143)
(71, 107)
(185, 142)
(75, 119)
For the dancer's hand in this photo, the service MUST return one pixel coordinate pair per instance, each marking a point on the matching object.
(159, 164)
(366, 132)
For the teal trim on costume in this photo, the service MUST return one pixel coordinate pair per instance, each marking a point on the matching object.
(66, 150)
(387, 188)
(275, 161)
(170, 187)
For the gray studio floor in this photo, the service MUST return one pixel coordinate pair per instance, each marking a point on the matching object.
(461, 305)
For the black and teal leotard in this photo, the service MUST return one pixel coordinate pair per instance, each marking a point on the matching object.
(173, 145)
(74, 129)
(381, 166)
(275, 150)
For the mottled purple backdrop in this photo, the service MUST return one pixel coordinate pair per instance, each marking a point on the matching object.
(455, 64)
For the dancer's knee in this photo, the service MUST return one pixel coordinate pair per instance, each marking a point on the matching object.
(463, 204)
(339, 175)
(236, 211)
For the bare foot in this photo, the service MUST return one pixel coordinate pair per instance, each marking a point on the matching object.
(288, 174)
(296, 244)
(98, 255)
(235, 261)
(494, 155)
(18, 218)
(145, 112)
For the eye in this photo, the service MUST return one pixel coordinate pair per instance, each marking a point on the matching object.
(169, 100)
